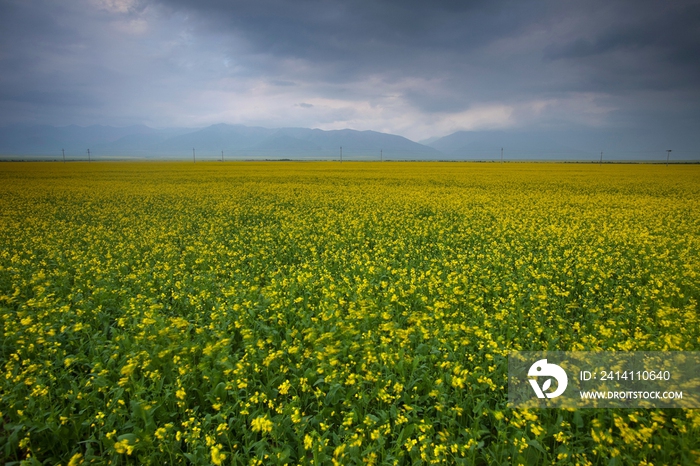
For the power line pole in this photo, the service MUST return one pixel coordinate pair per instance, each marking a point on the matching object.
(89, 156)
(501, 155)
(64, 155)
(193, 159)
(381, 155)
(341, 154)
(668, 156)
(222, 156)
(601, 158)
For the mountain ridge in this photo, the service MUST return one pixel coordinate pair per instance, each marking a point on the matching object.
(238, 141)
(257, 142)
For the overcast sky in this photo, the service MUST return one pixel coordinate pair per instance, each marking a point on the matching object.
(414, 68)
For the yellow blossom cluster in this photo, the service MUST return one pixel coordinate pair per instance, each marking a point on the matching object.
(319, 313)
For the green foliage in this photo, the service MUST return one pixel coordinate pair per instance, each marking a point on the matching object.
(317, 313)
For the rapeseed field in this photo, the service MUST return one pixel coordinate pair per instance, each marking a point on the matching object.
(326, 313)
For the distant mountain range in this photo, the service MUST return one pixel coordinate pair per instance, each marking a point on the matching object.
(251, 142)
(236, 141)
(488, 144)
(581, 144)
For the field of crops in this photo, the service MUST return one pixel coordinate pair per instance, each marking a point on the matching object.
(326, 313)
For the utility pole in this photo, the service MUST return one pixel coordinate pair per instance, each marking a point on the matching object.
(89, 156)
(381, 155)
(601, 158)
(193, 159)
(668, 156)
(341, 154)
(222, 156)
(64, 155)
(501, 155)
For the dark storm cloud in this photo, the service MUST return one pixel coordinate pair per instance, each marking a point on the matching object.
(362, 36)
(36, 50)
(345, 40)
(412, 67)
(661, 37)
(674, 27)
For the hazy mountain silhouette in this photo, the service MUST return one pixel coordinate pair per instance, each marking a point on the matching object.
(584, 144)
(518, 145)
(237, 141)
(253, 142)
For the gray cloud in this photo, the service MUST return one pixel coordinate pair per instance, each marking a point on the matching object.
(671, 27)
(414, 68)
(657, 48)
(350, 38)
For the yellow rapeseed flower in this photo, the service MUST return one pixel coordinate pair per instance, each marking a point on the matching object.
(261, 424)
